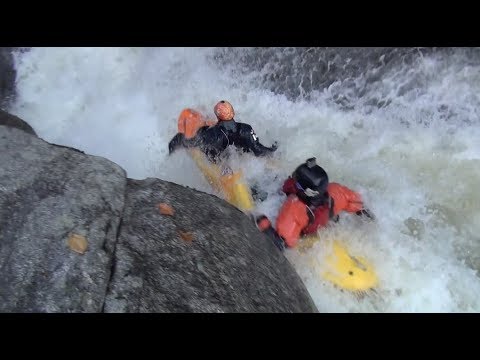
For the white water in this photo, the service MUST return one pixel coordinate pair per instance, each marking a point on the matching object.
(122, 104)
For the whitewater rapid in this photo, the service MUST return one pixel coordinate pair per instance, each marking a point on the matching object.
(415, 157)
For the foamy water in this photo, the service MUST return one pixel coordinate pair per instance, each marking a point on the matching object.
(415, 160)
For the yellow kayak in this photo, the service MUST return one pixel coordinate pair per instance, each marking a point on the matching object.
(229, 184)
(348, 272)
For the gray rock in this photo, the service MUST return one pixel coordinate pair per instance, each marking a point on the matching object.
(136, 259)
(229, 266)
(7, 119)
(46, 193)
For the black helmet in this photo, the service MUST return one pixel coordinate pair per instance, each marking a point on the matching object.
(313, 179)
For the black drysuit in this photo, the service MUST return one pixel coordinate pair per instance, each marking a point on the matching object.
(215, 139)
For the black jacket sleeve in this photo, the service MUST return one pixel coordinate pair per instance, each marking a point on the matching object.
(176, 142)
(208, 139)
(251, 142)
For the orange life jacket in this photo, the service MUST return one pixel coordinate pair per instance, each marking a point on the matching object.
(190, 121)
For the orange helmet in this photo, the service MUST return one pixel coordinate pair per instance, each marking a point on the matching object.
(224, 111)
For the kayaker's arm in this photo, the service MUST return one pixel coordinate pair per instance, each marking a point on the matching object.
(253, 144)
(180, 140)
(176, 142)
